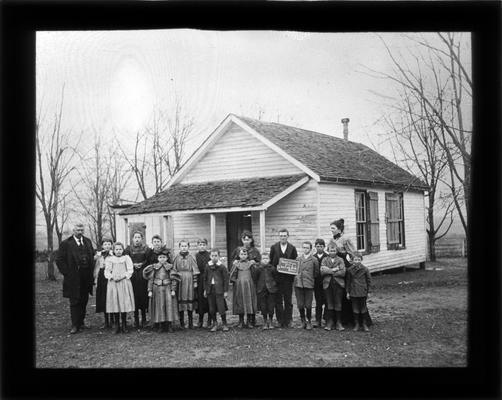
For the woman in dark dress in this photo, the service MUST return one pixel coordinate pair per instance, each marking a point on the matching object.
(346, 250)
(253, 255)
(202, 257)
(139, 255)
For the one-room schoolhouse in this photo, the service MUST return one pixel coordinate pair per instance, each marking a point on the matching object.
(262, 176)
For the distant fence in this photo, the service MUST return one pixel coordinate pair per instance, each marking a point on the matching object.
(451, 247)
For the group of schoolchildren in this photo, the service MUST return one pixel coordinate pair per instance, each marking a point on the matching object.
(140, 279)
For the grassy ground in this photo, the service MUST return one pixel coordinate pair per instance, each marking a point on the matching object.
(420, 319)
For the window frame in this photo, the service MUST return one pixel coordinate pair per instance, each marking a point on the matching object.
(401, 230)
(368, 221)
(358, 193)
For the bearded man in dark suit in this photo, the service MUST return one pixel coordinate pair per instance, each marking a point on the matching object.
(284, 299)
(75, 260)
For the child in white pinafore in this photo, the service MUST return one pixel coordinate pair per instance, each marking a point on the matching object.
(119, 294)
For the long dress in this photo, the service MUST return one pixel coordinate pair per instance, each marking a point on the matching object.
(345, 247)
(202, 258)
(102, 282)
(162, 279)
(187, 268)
(253, 254)
(244, 291)
(139, 256)
(119, 293)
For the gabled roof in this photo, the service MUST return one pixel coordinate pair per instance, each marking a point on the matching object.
(335, 159)
(257, 193)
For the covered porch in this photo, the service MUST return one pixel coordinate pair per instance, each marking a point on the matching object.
(219, 211)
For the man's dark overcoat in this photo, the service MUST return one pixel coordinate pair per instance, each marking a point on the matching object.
(67, 263)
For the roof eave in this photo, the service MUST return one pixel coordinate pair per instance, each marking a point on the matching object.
(347, 181)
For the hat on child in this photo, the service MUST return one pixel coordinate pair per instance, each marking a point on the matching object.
(164, 252)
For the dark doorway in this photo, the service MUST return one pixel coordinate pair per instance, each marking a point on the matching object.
(237, 222)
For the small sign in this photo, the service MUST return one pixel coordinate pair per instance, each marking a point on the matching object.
(287, 266)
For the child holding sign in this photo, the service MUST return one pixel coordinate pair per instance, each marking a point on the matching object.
(308, 270)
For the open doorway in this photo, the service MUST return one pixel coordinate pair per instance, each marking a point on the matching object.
(237, 222)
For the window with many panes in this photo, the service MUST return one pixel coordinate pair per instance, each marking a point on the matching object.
(394, 218)
(367, 222)
(361, 220)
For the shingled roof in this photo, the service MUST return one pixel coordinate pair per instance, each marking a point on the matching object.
(335, 159)
(212, 195)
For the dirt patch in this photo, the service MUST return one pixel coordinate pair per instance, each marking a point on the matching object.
(421, 321)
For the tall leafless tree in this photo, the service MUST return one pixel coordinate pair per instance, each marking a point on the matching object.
(54, 157)
(159, 149)
(418, 150)
(437, 73)
(92, 188)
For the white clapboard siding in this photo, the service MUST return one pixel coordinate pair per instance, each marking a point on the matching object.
(337, 201)
(297, 212)
(238, 155)
(190, 227)
(194, 226)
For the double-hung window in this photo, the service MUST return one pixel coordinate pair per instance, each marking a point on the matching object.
(367, 221)
(394, 218)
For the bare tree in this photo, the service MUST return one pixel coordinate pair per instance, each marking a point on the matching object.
(119, 178)
(54, 156)
(435, 73)
(93, 187)
(159, 149)
(418, 150)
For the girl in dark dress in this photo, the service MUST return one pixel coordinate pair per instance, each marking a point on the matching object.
(253, 255)
(202, 257)
(157, 248)
(345, 250)
(139, 255)
(100, 281)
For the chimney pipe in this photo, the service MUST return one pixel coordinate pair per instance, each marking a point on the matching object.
(345, 123)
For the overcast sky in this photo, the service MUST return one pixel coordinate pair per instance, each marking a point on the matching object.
(113, 79)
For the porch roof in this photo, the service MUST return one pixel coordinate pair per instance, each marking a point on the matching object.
(249, 193)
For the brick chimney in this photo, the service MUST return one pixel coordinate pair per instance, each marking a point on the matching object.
(345, 123)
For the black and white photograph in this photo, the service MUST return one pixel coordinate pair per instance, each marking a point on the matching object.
(252, 198)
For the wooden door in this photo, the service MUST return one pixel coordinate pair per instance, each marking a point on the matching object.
(237, 222)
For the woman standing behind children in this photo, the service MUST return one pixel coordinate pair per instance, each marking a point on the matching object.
(162, 281)
(308, 270)
(186, 266)
(358, 280)
(244, 290)
(139, 253)
(100, 280)
(266, 290)
(215, 289)
(119, 294)
(202, 257)
(333, 272)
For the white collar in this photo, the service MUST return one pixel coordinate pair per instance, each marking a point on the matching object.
(77, 240)
(212, 263)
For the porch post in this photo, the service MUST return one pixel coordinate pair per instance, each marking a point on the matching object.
(212, 229)
(262, 231)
